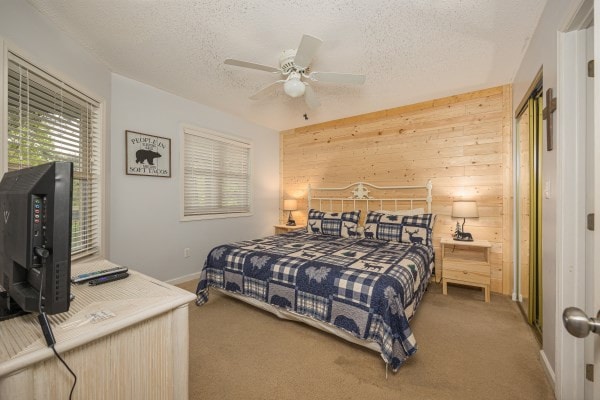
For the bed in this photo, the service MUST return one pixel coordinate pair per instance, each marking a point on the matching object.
(358, 278)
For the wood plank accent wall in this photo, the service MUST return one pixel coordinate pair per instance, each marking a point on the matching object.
(462, 143)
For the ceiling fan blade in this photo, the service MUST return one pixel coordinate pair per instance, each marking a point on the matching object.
(310, 97)
(267, 90)
(307, 50)
(246, 64)
(337, 77)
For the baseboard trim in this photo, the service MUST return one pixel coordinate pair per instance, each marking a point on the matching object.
(185, 278)
(548, 369)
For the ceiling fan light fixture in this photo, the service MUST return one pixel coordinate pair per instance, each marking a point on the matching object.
(295, 64)
(293, 87)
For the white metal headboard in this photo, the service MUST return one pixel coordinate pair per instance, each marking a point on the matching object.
(361, 194)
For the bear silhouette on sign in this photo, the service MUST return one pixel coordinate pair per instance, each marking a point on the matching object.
(148, 155)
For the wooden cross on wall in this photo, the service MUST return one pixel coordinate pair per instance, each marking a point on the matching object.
(547, 114)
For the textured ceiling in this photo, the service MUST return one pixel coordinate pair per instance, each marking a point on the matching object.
(410, 50)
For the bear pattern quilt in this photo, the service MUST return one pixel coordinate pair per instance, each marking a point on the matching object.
(369, 288)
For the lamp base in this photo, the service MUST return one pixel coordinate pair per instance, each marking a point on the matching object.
(463, 237)
(290, 221)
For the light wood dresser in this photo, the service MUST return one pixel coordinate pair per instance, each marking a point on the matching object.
(126, 339)
(466, 263)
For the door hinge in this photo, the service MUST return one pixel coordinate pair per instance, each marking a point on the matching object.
(590, 221)
(589, 372)
(591, 68)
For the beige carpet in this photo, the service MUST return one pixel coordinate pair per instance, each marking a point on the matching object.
(467, 350)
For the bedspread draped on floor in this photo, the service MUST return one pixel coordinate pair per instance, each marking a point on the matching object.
(369, 288)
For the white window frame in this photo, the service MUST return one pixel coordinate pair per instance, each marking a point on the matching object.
(7, 47)
(208, 133)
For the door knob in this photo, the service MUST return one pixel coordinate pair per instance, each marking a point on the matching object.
(579, 324)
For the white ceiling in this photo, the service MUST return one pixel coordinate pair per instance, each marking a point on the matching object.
(410, 50)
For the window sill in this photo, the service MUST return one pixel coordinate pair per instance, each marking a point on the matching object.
(214, 216)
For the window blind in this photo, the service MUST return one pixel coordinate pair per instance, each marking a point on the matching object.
(48, 120)
(217, 177)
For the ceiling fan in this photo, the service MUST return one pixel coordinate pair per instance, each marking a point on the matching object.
(294, 65)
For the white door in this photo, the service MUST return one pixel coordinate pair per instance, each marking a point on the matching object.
(594, 268)
(591, 378)
(579, 365)
(591, 272)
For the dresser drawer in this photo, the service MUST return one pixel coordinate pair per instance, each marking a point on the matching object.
(467, 272)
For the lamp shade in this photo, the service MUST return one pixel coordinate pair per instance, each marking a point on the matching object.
(465, 209)
(290, 205)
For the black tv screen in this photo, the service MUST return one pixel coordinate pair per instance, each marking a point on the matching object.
(35, 239)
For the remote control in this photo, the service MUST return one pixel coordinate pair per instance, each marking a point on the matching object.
(97, 274)
(108, 278)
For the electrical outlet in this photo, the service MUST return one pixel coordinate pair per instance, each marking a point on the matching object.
(186, 252)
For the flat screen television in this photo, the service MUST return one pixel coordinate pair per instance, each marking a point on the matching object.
(35, 239)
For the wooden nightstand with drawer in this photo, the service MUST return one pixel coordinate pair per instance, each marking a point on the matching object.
(466, 263)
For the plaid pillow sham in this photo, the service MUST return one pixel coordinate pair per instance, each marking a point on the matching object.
(397, 228)
(342, 224)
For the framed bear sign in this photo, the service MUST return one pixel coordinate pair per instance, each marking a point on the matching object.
(147, 155)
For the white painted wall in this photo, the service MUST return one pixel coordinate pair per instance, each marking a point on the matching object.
(146, 233)
(542, 51)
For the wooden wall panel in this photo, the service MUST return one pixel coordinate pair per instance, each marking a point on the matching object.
(462, 143)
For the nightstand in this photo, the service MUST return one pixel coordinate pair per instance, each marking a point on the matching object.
(279, 229)
(466, 263)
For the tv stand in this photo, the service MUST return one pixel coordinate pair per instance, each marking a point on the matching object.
(126, 339)
(8, 308)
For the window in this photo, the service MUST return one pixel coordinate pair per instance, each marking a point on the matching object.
(48, 120)
(216, 175)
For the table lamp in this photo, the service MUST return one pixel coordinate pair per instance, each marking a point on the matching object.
(464, 209)
(290, 205)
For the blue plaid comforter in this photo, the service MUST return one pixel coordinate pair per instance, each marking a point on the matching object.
(369, 288)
